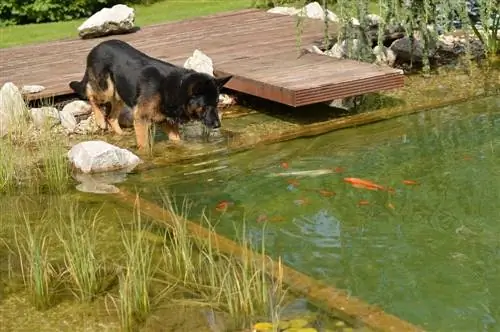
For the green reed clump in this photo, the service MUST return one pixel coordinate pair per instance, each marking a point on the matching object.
(245, 288)
(8, 176)
(84, 269)
(38, 274)
(54, 167)
(135, 282)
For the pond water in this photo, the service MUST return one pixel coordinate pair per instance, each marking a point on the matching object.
(427, 250)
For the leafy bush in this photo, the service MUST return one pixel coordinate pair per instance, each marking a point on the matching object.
(39, 11)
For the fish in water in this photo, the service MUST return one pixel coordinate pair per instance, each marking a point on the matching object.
(293, 182)
(284, 165)
(363, 202)
(410, 182)
(326, 193)
(314, 172)
(363, 184)
(262, 218)
(223, 205)
(301, 201)
(339, 169)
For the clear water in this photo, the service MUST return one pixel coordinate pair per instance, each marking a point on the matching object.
(428, 253)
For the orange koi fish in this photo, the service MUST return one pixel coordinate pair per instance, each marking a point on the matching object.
(363, 202)
(223, 205)
(363, 184)
(284, 165)
(339, 169)
(326, 193)
(410, 182)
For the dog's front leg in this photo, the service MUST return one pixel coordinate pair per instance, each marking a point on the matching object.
(114, 115)
(99, 117)
(141, 128)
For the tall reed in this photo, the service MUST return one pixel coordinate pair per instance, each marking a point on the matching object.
(83, 267)
(38, 274)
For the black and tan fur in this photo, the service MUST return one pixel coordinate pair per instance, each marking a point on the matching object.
(117, 74)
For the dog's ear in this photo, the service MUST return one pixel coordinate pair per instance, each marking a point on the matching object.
(221, 81)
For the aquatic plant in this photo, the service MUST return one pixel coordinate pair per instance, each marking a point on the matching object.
(135, 280)
(54, 168)
(244, 287)
(7, 167)
(83, 267)
(37, 271)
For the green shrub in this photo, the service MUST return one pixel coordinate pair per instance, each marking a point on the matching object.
(39, 11)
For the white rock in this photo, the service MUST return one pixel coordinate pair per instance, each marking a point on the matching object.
(26, 89)
(44, 116)
(117, 19)
(200, 62)
(226, 100)
(337, 51)
(12, 107)
(68, 120)
(343, 49)
(384, 55)
(314, 49)
(374, 19)
(77, 108)
(284, 10)
(99, 156)
(315, 11)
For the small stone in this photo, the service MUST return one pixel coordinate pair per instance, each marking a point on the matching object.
(374, 20)
(200, 62)
(68, 120)
(78, 108)
(117, 19)
(27, 89)
(45, 116)
(315, 11)
(384, 55)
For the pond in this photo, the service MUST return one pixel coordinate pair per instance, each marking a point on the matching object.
(425, 247)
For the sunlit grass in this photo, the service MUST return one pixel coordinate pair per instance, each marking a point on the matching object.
(158, 12)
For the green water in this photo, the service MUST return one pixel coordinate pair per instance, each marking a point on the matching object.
(433, 259)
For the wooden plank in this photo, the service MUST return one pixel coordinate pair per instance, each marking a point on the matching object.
(259, 49)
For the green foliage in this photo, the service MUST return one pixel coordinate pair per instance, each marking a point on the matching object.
(293, 3)
(38, 11)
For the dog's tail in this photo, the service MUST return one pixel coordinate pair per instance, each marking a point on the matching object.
(79, 87)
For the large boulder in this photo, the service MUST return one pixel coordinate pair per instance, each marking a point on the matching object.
(118, 19)
(99, 156)
(12, 107)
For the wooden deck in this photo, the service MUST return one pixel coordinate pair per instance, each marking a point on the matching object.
(257, 48)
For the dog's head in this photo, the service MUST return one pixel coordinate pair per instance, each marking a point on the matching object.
(202, 97)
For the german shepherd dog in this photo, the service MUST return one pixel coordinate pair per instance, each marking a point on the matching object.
(117, 74)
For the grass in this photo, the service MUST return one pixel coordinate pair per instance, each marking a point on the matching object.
(67, 251)
(36, 269)
(83, 268)
(145, 15)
